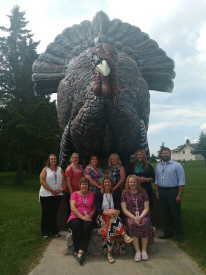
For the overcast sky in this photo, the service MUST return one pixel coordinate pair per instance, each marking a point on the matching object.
(178, 26)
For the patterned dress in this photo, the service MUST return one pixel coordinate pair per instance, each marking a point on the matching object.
(114, 173)
(135, 202)
(96, 175)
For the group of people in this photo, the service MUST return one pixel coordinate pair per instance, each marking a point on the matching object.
(120, 206)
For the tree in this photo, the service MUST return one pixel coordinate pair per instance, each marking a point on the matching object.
(28, 127)
(153, 158)
(201, 146)
(159, 152)
(187, 141)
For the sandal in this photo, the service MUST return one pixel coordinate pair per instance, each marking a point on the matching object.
(110, 258)
(126, 238)
(80, 258)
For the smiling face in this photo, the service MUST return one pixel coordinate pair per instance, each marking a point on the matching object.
(94, 161)
(139, 156)
(75, 159)
(166, 156)
(133, 185)
(107, 185)
(84, 187)
(114, 161)
(52, 160)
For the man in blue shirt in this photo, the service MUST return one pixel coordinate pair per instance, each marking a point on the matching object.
(169, 183)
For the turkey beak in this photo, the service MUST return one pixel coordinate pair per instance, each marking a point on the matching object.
(103, 68)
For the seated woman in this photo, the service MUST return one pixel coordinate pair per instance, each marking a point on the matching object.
(144, 170)
(108, 210)
(94, 173)
(80, 221)
(137, 223)
(116, 172)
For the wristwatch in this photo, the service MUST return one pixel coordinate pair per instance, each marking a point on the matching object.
(180, 194)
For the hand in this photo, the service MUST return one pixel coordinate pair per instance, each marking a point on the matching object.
(87, 218)
(112, 213)
(137, 220)
(178, 199)
(59, 190)
(143, 179)
(157, 195)
(55, 192)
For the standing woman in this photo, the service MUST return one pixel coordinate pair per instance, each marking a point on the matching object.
(94, 173)
(52, 181)
(116, 172)
(73, 174)
(80, 220)
(144, 170)
(137, 223)
(108, 210)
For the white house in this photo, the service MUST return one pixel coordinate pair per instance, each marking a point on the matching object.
(183, 152)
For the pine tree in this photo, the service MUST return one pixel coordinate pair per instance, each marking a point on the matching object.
(201, 146)
(159, 152)
(28, 128)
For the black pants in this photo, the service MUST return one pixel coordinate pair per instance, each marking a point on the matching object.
(50, 206)
(171, 211)
(81, 232)
(67, 198)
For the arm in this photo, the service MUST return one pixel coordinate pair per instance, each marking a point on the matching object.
(44, 184)
(156, 184)
(122, 178)
(150, 175)
(68, 179)
(63, 180)
(179, 198)
(92, 182)
(98, 202)
(181, 178)
(73, 205)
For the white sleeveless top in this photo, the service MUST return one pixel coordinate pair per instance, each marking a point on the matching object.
(50, 180)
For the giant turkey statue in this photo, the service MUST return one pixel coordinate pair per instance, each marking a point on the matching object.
(102, 72)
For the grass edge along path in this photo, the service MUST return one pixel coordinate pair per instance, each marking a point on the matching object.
(22, 245)
(21, 242)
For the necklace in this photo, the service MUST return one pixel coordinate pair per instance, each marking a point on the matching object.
(108, 200)
(55, 174)
(84, 202)
(163, 170)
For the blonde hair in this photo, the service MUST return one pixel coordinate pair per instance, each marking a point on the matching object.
(102, 184)
(118, 159)
(144, 162)
(139, 187)
(74, 154)
(48, 161)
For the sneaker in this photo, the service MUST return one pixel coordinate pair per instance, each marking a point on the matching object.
(144, 256)
(45, 236)
(57, 235)
(137, 256)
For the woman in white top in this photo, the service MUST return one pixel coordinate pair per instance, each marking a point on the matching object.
(52, 182)
(108, 210)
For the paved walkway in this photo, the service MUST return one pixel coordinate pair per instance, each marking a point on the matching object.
(168, 260)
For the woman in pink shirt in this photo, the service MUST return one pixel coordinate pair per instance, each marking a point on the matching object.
(80, 221)
(73, 174)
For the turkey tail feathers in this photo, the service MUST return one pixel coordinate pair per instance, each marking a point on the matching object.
(143, 142)
(157, 68)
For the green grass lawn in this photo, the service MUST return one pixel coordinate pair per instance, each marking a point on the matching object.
(21, 244)
(193, 209)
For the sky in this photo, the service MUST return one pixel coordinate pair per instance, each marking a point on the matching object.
(179, 28)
